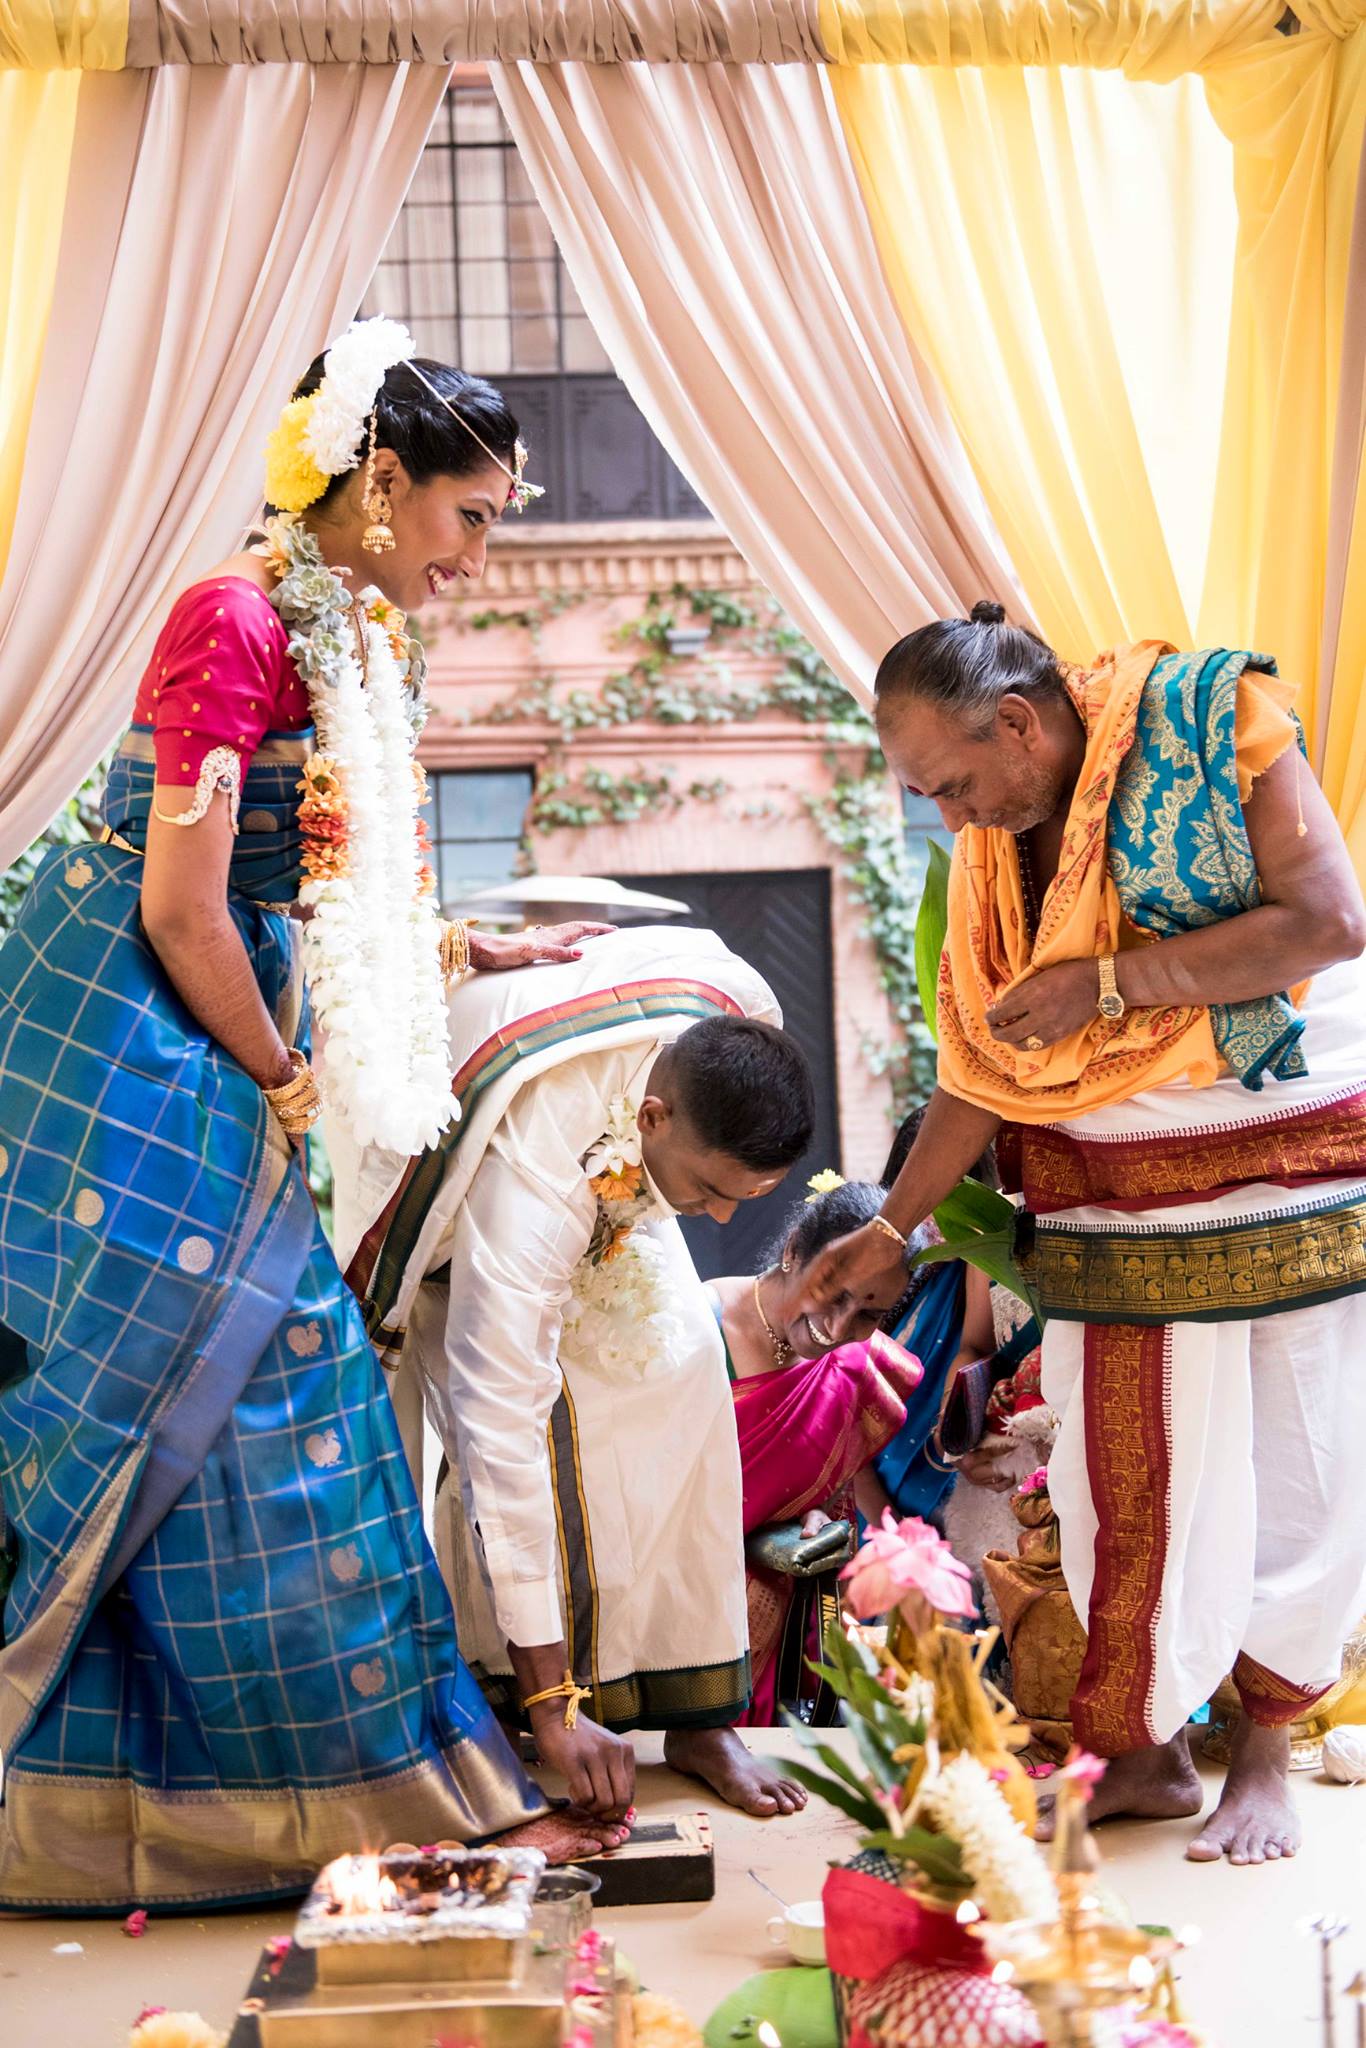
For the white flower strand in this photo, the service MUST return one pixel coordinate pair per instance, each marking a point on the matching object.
(372, 945)
(417, 926)
(371, 948)
(1010, 1879)
(354, 369)
(619, 1322)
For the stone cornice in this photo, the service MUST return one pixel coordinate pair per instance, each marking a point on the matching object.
(614, 557)
(447, 743)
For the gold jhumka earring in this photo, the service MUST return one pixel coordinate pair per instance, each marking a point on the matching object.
(378, 537)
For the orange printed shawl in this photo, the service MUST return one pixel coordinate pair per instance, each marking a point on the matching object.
(987, 951)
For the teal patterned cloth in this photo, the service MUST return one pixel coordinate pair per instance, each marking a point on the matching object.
(1178, 844)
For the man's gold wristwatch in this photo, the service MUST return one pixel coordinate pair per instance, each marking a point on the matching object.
(1111, 1003)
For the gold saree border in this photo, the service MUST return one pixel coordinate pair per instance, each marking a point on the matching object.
(1223, 1274)
(90, 1842)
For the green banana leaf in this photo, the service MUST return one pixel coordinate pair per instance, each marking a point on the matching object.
(931, 927)
(978, 1226)
(810, 1739)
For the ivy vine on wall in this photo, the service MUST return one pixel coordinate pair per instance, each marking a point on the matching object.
(857, 815)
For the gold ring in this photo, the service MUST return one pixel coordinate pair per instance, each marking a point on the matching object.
(1033, 1044)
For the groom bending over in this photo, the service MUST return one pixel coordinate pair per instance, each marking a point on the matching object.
(528, 1276)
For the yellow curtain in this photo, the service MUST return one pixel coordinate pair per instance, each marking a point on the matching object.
(43, 49)
(1295, 114)
(37, 125)
(1152, 39)
(1153, 427)
(59, 35)
(1078, 329)
(1343, 739)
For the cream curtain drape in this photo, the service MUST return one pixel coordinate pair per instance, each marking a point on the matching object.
(174, 335)
(713, 228)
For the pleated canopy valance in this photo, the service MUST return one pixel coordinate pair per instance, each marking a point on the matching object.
(1156, 39)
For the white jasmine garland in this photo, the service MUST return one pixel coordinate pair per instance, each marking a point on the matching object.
(354, 369)
(1010, 1879)
(372, 945)
(620, 1322)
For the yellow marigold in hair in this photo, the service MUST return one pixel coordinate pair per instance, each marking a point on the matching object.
(174, 2030)
(293, 479)
(659, 2023)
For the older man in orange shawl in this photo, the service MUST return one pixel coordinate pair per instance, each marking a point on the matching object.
(1152, 996)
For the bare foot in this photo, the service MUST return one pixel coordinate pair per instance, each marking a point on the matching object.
(1144, 1784)
(564, 1835)
(720, 1759)
(1255, 1820)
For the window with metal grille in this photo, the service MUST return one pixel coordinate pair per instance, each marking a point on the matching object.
(475, 818)
(472, 269)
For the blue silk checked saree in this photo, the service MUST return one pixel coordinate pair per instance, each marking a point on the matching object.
(228, 1655)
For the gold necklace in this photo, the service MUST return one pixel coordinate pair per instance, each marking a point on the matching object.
(782, 1350)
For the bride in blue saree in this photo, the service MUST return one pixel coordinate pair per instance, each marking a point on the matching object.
(227, 1651)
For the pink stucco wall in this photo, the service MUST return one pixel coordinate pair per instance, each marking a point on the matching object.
(768, 767)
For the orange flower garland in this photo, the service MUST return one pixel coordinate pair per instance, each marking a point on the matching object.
(323, 820)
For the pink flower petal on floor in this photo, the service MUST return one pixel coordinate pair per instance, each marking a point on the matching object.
(135, 1926)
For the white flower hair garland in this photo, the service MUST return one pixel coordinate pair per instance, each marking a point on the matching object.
(354, 370)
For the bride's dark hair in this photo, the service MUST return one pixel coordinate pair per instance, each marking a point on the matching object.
(424, 434)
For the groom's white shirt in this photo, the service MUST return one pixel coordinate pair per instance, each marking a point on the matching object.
(492, 1373)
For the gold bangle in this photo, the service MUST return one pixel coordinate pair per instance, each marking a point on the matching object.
(296, 1102)
(455, 950)
(567, 1691)
(889, 1230)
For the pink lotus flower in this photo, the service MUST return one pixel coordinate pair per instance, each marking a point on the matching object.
(907, 1565)
(1083, 1770)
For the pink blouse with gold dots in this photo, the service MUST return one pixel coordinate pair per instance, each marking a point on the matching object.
(220, 676)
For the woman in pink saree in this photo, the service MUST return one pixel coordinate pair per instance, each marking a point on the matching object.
(815, 1402)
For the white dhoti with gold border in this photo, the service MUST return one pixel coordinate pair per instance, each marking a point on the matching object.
(1206, 1352)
